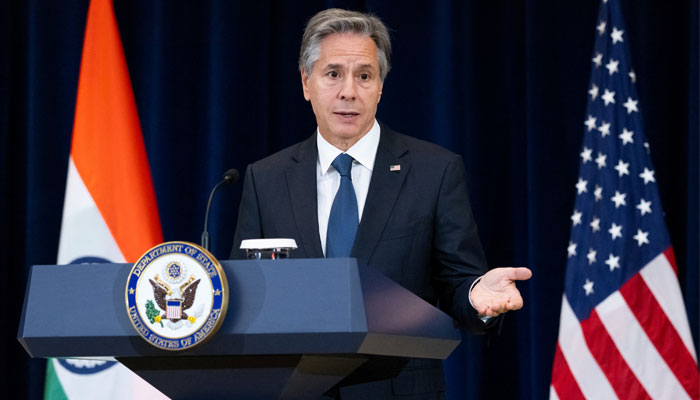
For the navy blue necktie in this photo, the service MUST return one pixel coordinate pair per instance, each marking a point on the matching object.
(343, 220)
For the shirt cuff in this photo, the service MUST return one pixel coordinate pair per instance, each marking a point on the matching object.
(483, 318)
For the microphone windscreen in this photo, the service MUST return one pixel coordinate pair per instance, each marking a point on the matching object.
(231, 175)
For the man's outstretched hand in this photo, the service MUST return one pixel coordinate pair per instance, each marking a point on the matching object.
(496, 293)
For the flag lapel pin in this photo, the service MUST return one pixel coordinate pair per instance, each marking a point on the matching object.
(395, 168)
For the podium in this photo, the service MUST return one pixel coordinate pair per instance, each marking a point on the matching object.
(294, 328)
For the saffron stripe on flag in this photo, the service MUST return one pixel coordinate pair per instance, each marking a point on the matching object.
(585, 369)
(661, 333)
(660, 277)
(563, 382)
(637, 350)
(623, 380)
(108, 148)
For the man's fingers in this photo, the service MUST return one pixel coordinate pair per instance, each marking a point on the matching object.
(518, 273)
(515, 304)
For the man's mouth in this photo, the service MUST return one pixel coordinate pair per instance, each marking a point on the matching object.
(346, 114)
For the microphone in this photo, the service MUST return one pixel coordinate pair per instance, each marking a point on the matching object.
(230, 176)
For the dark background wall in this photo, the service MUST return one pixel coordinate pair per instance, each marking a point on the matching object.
(216, 84)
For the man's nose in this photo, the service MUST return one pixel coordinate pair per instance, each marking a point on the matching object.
(348, 89)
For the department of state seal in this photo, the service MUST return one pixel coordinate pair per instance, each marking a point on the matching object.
(176, 295)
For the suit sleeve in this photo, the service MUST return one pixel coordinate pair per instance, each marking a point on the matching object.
(248, 226)
(457, 252)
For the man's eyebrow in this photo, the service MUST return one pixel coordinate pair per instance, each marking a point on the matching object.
(366, 66)
(340, 66)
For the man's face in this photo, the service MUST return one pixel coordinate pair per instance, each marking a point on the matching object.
(344, 88)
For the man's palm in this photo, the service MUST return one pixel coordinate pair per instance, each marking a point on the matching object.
(496, 292)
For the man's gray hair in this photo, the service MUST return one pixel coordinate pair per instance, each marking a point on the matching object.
(335, 20)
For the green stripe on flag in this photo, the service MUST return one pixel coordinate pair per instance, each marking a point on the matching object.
(52, 387)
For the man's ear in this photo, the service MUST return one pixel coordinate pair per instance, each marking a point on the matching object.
(305, 85)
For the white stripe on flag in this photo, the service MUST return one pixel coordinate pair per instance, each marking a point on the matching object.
(83, 230)
(637, 350)
(106, 384)
(552, 393)
(583, 366)
(661, 279)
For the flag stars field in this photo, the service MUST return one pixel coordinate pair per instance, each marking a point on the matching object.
(576, 218)
(631, 105)
(586, 155)
(615, 231)
(591, 256)
(616, 35)
(647, 175)
(619, 199)
(571, 250)
(622, 168)
(590, 122)
(601, 160)
(608, 97)
(601, 29)
(613, 262)
(594, 93)
(626, 136)
(641, 237)
(582, 186)
(644, 207)
(598, 61)
(612, 66)
(598, 193)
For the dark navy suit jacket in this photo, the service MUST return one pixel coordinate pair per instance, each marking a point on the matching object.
(417, 228)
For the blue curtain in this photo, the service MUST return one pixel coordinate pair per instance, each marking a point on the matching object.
(216, 85)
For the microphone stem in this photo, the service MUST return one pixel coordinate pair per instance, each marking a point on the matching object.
(205, 234)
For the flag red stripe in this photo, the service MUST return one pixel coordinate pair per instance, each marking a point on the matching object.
(611, 362)
(662, 333)
(671, 257)
(563, 380)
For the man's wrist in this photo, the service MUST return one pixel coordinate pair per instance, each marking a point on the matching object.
(483, 318)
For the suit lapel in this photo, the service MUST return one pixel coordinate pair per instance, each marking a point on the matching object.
(301, 181)
(384, 189)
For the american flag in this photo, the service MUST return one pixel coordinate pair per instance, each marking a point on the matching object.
(623, 328)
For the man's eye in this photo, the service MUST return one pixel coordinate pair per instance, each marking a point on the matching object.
(364, 77)
(333, 74)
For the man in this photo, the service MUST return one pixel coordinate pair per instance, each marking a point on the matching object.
(356, 188)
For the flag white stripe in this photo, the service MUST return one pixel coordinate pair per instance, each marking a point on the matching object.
(83, 230)
(584, 368)
(661, 279)
(637, 350)
(552, 393)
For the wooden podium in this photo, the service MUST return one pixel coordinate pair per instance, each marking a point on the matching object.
(294, 328)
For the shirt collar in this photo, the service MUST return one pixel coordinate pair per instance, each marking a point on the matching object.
(364, 151)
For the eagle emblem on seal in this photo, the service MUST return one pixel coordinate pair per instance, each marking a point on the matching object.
(174, 301)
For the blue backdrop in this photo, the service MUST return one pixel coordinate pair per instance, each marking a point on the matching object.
(216, 85)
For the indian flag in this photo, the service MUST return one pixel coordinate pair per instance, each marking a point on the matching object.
(110, 212)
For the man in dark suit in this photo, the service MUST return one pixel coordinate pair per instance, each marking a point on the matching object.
(356, 188)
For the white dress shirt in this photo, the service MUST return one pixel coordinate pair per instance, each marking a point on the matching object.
(328, 179)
